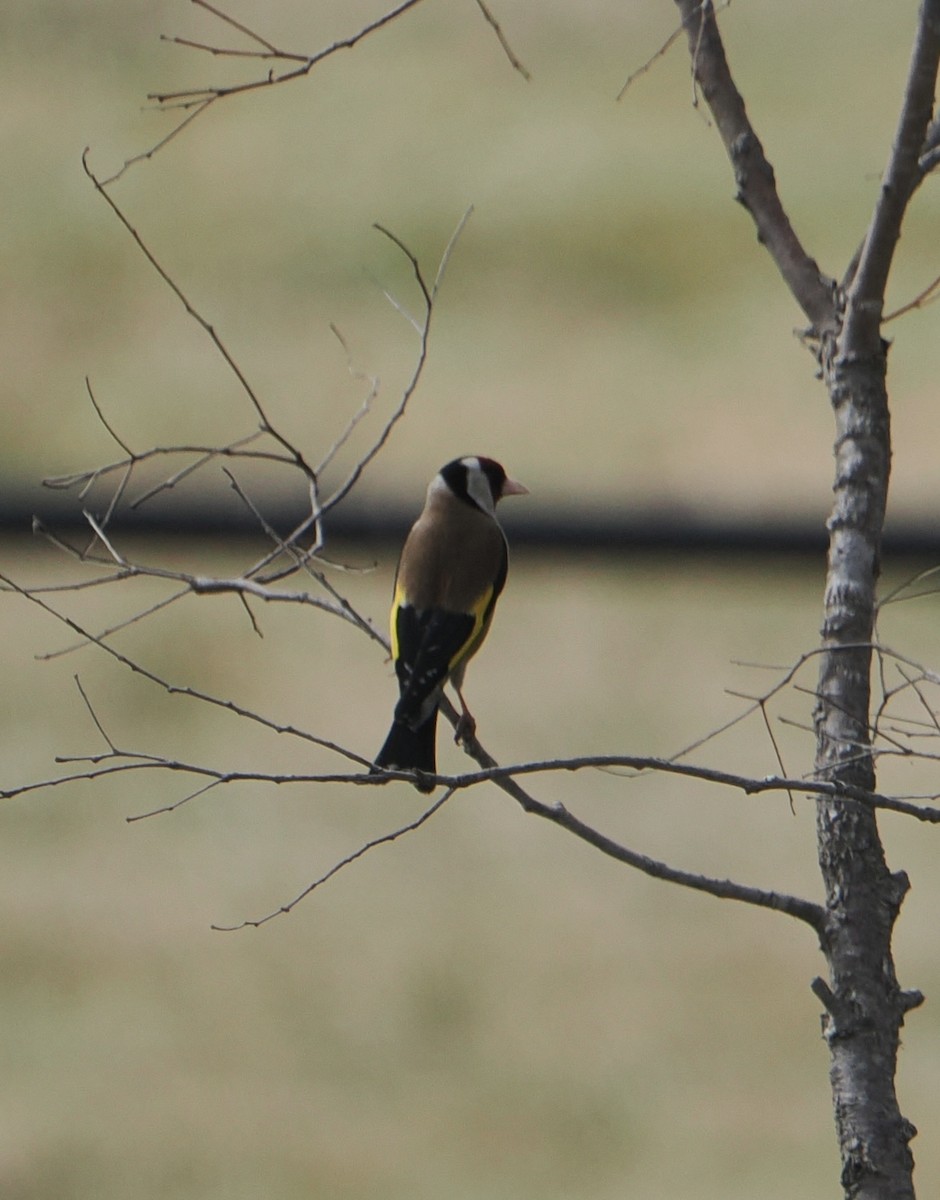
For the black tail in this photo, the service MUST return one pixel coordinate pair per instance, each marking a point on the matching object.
(408, 749)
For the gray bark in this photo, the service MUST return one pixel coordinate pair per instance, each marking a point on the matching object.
(865, 1006)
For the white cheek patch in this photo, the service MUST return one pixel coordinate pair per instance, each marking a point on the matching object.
(478, 486)
(437, 484)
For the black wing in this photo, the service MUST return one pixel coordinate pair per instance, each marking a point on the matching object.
(429, 643)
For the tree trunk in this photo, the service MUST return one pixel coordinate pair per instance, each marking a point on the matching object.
(865, 1007)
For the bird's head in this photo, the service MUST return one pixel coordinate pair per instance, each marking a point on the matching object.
(479, 481)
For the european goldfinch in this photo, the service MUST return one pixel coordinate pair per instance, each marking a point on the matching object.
(450, 574)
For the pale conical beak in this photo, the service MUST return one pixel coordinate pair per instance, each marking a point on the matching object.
(512, 488)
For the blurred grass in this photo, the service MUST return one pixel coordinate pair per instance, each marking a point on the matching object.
(485, 1001)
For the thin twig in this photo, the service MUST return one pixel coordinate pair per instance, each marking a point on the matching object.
(194, 102)
(104, 420)
(290, 65)
(929, 295)
(172, 689)
(501, 38)
(664, 49)
(146, 155)
(897, 593)
(111, 630)
(196, 315)
(382, 840)
(94, 715)
(448, 251)
(229, 20)
(654, 57)
(424, 330)
(360, 413)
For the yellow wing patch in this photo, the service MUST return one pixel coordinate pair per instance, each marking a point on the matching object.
(397, 601)
(481, 613)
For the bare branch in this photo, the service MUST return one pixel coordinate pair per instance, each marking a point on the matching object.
(104, 421)
(501, 38)
(102, 537)
(258, 580)
(116, 628)
(383, 840)
(558, 814)
(85, 480)
(423, 328)
(172, 807)
(653, 58)
(757, 703)
(289, 65)
(294, 65)
(200, 320)
(292, 455)
(865, 296)
(448, 251)
(146, 155)
(415, 265)
(172, 689)
(723, 889)
(222, 51)
(928, 296)
(504, 777)
(229, 20)
(358, 415)
(507, 778)
(94, 715)
(202, 459)
(757, 189)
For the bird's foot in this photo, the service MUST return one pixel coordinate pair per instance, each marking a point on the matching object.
(466, 728)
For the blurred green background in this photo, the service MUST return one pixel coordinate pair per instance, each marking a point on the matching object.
(486, 1008)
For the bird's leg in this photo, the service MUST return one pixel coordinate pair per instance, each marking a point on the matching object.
(466, 724)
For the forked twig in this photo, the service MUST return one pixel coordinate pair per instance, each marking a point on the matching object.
(305, 540)
(172, 689)
(663, 50)
(288, 66)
